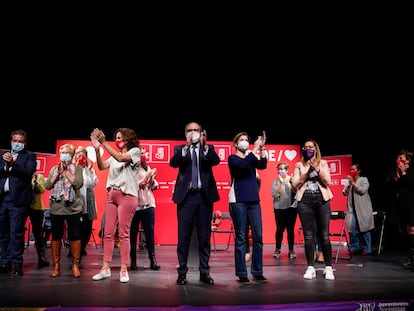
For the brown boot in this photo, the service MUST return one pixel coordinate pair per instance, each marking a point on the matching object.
(56, 246)
(75, 249)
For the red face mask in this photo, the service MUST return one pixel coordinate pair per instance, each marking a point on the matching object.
(353, 173)
(404, 162)
(120, 144)
(82, 160)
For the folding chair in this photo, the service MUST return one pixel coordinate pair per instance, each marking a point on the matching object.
(93, 238)
(379, 218)
(342, 235)
(225, 227)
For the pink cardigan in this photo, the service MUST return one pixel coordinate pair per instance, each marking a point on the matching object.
(301, 187)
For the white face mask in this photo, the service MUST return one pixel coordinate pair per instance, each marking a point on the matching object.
(243, 145)
(195, 137)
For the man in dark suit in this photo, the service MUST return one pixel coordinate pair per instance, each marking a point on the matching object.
(195, 198)
(16, 170)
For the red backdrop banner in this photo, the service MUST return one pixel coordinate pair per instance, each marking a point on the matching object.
(159, 154)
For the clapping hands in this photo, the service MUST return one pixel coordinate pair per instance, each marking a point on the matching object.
(149, 178)
(97, 137)
(260, 141)
(203, 138)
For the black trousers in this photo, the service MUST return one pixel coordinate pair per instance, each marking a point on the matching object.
(36, 220)
(196, 211)
(147, 218)
(312, 208)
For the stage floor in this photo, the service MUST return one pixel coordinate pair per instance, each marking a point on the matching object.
(376, 277)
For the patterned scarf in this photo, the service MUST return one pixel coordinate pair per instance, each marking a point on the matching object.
(63, 190)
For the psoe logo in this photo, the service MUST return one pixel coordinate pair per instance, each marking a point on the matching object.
(41, 164)
(160, 153)
(223, 151)
(335, 167)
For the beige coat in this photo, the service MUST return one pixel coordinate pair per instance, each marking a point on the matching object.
(300, 170)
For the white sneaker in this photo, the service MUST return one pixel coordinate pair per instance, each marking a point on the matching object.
(123, 276)
(310, 273)
(103, 274)
(329, 273)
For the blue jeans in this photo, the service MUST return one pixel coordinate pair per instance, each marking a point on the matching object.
(354, 237)
(312, 208)
(241, 213)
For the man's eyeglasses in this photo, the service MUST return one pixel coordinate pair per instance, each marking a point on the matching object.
(192, 130)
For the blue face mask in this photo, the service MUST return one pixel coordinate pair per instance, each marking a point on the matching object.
(17, 147)
(65, 157)
(282, 173)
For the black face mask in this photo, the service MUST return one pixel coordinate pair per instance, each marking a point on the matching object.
(308, 154)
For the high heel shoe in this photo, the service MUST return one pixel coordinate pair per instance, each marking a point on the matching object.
(154, 265)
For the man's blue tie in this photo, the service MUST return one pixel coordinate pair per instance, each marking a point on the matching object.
(194, 169)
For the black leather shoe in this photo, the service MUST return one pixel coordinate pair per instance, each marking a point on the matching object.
(244, 280)
(42, 262)
(17, 271)
(206, 278)
(259, 278)
(154, 265)
(133, 266)
(181, 280)
(5, 268)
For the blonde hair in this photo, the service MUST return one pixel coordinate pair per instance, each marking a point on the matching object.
(284, 164)
(68, 146)
(81, 149)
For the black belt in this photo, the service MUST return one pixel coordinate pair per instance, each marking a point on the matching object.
(312, 194)
(114, 188)
(195, 189)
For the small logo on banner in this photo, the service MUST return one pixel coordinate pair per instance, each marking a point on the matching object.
(41, 164)
(160, 153)
(223, 151)
(335, 167)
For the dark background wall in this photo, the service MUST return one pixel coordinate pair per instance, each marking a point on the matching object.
(337, 75)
